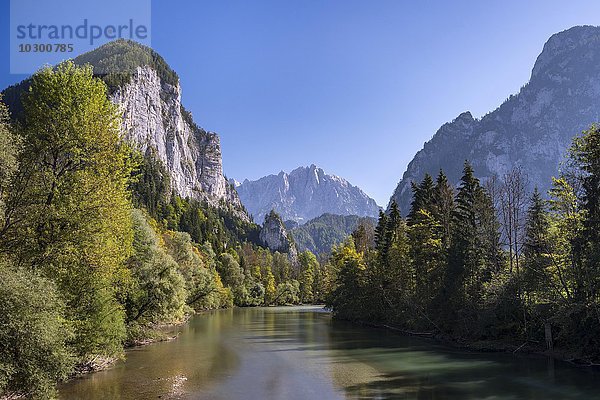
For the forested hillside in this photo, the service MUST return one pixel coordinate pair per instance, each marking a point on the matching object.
(494, 264)
(320, 234)
(96, 248)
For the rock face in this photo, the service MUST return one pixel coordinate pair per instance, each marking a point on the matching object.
(532, 129)
(274, 236)
(154, 118)
(148, 94)
(303, 194)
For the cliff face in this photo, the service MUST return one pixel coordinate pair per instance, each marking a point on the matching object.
(532, 129)
(275, 237)
(148, 94)
(303, 194)
(154, 118)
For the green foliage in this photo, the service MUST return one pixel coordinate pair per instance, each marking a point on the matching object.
(157, 292)
(308, 266)
(9, 147)
(72, 192)
(320, 234)
(116, 61)
(287, 293)
(33, 352)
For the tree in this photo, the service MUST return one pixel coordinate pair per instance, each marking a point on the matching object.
(269, 284)
(380, 232)
(308, 265)
(73, 179)
(536, 252)
(33, 335)
(585, 155)
(472, 238)
(9, 148)
(513, 204)
(157, 293)
(347, 299)
(443, 208)
(232, 275)
(423, 199)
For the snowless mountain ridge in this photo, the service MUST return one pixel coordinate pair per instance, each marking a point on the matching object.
(532, 129)
(303, 194)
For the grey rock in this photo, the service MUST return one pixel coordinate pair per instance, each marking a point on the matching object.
(274, 236)
(303, 194)
(152, 117)
(532, 129)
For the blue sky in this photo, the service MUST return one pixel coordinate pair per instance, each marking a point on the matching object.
(355, 87)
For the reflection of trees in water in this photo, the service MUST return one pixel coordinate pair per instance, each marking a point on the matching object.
(361, 362)
(408, 367)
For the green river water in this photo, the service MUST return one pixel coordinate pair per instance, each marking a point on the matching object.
(301, 353)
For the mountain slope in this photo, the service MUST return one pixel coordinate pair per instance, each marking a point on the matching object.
(320, 234)
(304, 193)
(531, 129)
(148, 94)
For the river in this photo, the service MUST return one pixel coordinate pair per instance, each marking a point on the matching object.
(301, 353)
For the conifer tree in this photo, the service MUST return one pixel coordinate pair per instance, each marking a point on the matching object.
(536, 249)
(423, 198)
(443, 207)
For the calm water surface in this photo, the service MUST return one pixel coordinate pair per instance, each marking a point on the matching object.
(300, 353)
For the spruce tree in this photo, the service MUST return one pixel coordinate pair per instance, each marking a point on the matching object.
(423, 198)
(585, 153)
(536, 248)
(443, 208)
(464, 263)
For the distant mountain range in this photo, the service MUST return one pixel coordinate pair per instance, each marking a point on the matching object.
(532, 129)
(303, 194)
(320, 234)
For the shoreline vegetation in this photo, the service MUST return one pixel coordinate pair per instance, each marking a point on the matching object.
(486, 266)
(97, 250)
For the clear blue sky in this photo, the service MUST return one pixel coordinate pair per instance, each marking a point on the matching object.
(355, 87)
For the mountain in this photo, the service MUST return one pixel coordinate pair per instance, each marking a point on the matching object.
(532, 129)
(303, 194)
(320, 234)
(148, 94)
(275, 236)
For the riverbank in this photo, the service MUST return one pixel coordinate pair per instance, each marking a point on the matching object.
(489, 346)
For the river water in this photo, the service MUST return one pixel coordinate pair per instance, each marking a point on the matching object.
(301, 353)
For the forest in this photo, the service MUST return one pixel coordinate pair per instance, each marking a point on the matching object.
(487, 265)
(96, 251)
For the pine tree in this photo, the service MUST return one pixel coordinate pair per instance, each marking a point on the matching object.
(380, 233)
(536, 258)
(443, 208)
(423, 199)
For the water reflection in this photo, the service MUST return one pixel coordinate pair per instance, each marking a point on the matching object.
(300, 353)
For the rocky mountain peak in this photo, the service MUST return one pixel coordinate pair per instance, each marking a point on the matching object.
(275, 236)
(148, 94)
(303, 194)
(531, 129)
(564, 47)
